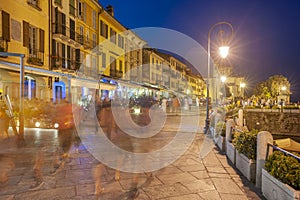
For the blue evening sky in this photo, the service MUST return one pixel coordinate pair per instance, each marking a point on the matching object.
(267, 32)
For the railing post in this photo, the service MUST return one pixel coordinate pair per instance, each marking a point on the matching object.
(263, 138)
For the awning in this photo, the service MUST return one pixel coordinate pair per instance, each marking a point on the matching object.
(288, 144)
(107, 86)
(84, 83)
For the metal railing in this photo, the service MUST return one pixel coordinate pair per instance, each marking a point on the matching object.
(63, 63)
(72, 34)
(34, 56)
(3, 45)
(282, 150)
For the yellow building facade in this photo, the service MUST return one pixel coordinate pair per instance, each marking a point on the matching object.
(24, 30)
(112, 45)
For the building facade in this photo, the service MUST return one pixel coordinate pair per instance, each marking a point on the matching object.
(74, 48)
(24, 28)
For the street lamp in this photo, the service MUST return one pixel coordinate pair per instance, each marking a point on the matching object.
(223, 50)
(223, 79)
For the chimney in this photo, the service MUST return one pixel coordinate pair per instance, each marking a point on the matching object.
(110, 10)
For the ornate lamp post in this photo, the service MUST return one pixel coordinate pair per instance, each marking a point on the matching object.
(223, 50)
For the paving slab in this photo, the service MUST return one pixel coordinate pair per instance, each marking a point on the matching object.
(189, 177)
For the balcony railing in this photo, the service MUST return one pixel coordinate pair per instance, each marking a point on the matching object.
(89, 72)
(63, 63)
(68, 33)
(35, 57)
(3, 45)
(116, 73)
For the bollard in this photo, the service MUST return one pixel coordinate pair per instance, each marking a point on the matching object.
(240, 118)
(229, 125)
(263, 138)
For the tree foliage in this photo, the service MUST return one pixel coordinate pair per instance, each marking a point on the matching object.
(270, 88)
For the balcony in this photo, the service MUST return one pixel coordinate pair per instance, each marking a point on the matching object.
(34, 4)
(116, 73)
(64, 64)
(35, 57)
(61, 31)
(89, 72)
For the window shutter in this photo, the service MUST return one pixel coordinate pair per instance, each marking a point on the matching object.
(5, 26)
(77, 55)
(42, 40)
(84, 12)
(25, 34)
(54, 48)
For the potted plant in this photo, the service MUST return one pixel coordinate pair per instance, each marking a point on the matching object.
(281, 177)
(245, 144)
(220, 132)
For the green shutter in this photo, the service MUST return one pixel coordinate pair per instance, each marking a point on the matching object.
(42, 40)
(5, 26)
(25, 34)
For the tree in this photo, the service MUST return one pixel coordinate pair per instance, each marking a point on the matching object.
(272, 87)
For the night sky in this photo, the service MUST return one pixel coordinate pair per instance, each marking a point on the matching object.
(267, 32)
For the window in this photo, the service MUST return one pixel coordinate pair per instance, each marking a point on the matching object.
(103, 60)
(87, 36)
(72, 29)
(103, 29)
(94, 19)
(94, 65)
(94, 40)
(34, 39)
(112, 64)
(81, 10)
(77, 58)
(120, 65)
(81, 34)
(121, 41)
(112, 35)
(60, 22)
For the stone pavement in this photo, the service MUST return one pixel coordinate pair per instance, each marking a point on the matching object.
(189, 177)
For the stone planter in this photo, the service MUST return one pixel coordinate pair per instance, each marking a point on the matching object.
(220, 141)
(246, 166)
(230, 152)
(272, 188)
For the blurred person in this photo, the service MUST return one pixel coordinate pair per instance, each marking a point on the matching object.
(164, 104)
(190, 102)
(7, 165)
(37, 169)
(62, 157)
(185, 103)
(4, 123)
(197, 101)
(123, 141)
(175, 104)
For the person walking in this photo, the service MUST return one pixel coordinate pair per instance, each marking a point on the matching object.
(164, 104)
(190, 101)
(4, 123)
(175, 104)
(197, 101)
